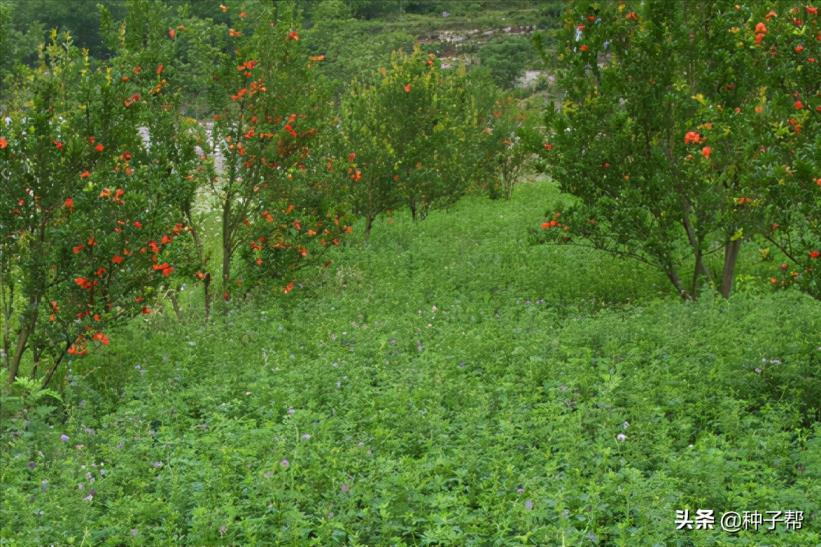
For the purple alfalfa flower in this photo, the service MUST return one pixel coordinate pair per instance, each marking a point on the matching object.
(621, 437)
(134, 532)
(306, 436)
(291, 411)
(285, 464)
(520, 490)
(157, 464)
(65, 438)
(31, 466)
(345, 488)
(529, 505)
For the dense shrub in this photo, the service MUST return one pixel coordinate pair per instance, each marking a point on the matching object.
(507, 58)
(508, 139)
(684, 133)
(270, 113)
(405, 133)
(95, 170)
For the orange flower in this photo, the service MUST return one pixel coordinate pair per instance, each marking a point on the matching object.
(316, 58)
(357, 175)
(247, 65)
(172, 33)
(234, 33)
(224, 8)
(85, 175)
(166, 239)
(407, 88)
(706, 151)
(583, 48)
(761, 28)
(99, 148)
(798, 105)
(74, 350)
(815, 254)
(293, 36)
(288, 288)
(799, 48)
(146, 310)
(632, 16)
(77, 248)
(258, 262)
(138, 224)
(69, 203)
(303, 252)
(4, 143)
(117, 259)
(692, 137)
(100, 337)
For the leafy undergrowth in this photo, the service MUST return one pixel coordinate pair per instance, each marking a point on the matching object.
(445, 383)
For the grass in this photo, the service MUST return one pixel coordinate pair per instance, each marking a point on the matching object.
(444, 383)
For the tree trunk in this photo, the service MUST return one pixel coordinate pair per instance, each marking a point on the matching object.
(26, 329)
(412, 206)
(206, 290)
(8, 309)
(695, 243)
(368, 226)
(57, 361)
(175, 303)
(676, 281)
(37, 353)
(227, 245)
(698, 271)
(731, 252)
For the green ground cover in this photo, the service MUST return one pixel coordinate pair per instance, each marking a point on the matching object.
(444, 383)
